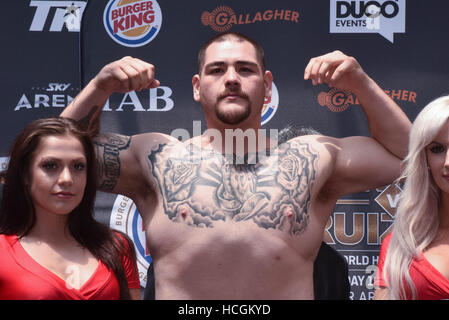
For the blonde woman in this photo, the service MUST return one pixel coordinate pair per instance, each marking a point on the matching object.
(414, 258)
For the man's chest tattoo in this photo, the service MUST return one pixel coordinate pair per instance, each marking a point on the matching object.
(199, 189)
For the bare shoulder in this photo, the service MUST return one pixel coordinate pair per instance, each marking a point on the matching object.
(121, 161)
(322, 148)
(315, 151)
(316, 141)
(318, 153)
(146, 143)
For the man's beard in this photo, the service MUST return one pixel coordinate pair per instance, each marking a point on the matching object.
(233, 117)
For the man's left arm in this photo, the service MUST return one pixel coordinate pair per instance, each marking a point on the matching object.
(388, 124)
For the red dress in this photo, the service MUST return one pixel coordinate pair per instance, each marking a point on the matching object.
(430, 284)
(22, 278)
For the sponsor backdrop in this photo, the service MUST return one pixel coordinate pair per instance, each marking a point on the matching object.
(51, 49)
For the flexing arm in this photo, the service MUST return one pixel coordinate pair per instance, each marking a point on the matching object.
(387, 122)
(361, 163)
(117, 155)
(124, 75)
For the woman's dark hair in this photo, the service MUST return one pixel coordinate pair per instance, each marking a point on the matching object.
(17, 212)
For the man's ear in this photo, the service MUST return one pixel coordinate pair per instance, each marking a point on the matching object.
(196, 87)
(268, 80)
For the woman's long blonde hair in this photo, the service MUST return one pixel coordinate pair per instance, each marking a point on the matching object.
(416, 222)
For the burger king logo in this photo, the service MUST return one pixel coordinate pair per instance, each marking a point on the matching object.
(132, 23)
(270, 105)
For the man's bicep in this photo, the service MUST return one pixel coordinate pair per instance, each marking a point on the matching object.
(113, 154)
(362, 164)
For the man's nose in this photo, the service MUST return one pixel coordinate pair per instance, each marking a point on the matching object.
(232, 77)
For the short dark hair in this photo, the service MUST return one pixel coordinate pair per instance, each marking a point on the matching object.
(227, 36)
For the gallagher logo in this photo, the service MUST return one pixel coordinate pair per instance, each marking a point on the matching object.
(270, 105)
(338, 100)
(126, 218)
(223, 18)
(132, 23)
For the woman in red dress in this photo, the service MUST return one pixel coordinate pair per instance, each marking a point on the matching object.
(51, 247)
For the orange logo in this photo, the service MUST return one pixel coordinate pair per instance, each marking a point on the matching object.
(218, 19)
(338, 100)
(223, 18)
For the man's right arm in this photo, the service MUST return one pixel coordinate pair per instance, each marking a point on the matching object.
(117, 155)
(124, 75)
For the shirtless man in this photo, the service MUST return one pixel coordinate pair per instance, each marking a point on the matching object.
(220, 230)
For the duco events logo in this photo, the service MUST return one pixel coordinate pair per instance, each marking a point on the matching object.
(270, 105)
(223, 18)
(126, 218)
(385, 17)
(132, 23)
(338, 100)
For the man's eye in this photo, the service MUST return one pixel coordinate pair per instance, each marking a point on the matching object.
(215, 70)
(245, 69)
